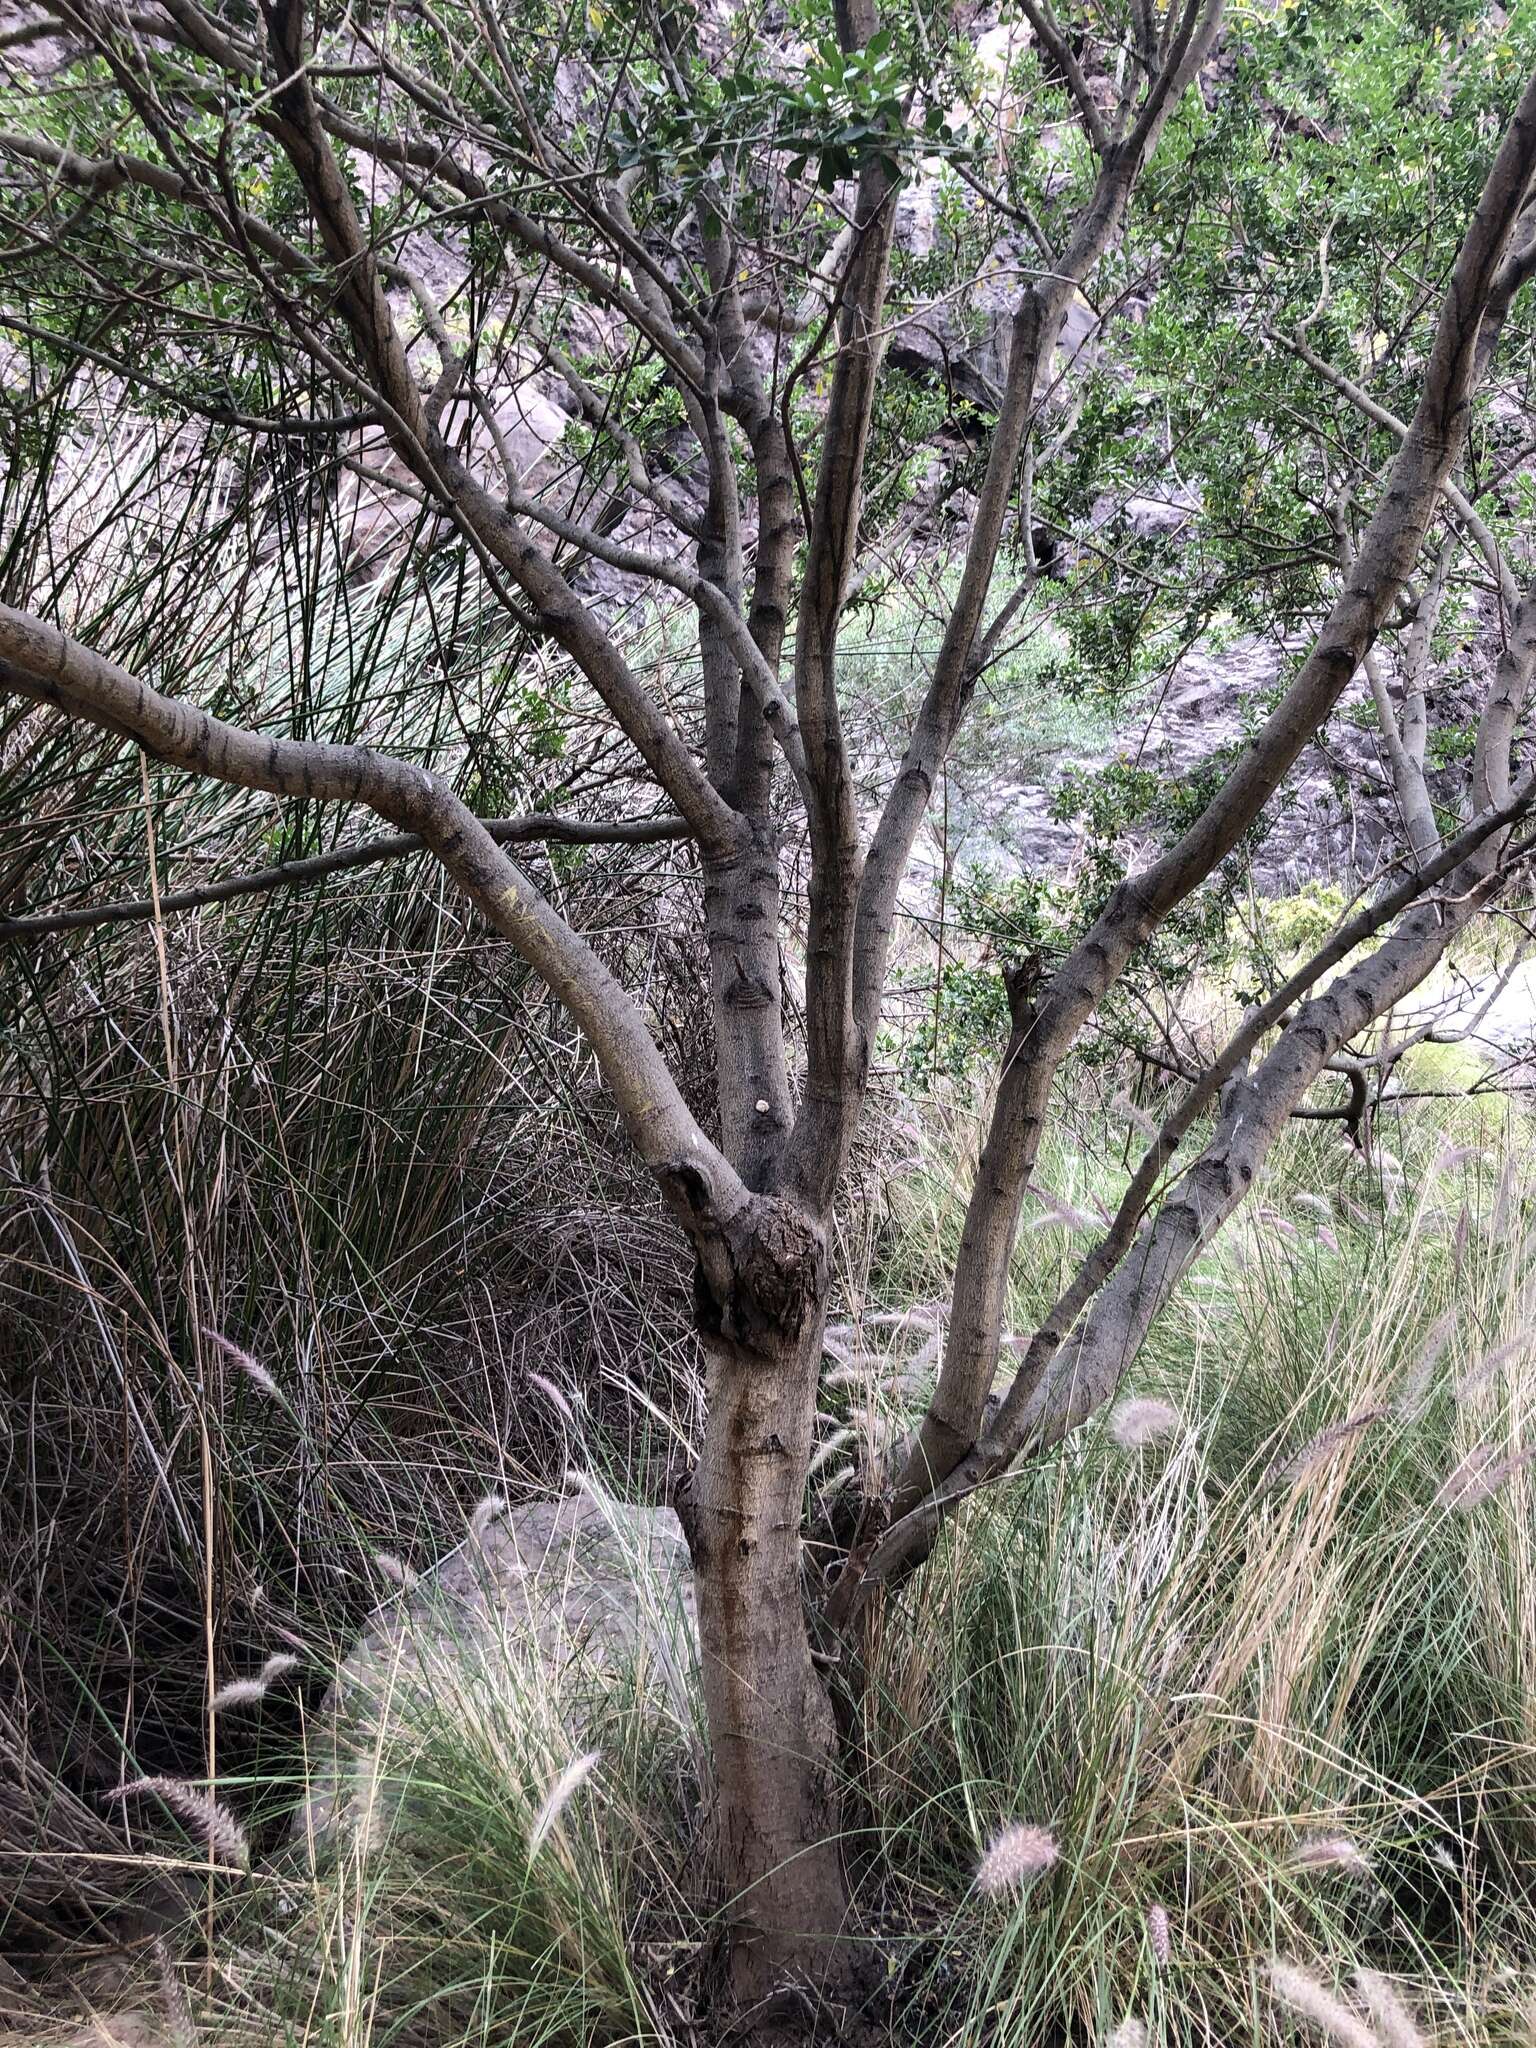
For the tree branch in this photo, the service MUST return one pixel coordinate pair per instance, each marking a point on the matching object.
(1045, 1030)
(919, 1508)
(836, 1055)
(1036, 331)
(533, 827)
(360, 298)
(1476, 526)
(39, 662)
(1050, 38)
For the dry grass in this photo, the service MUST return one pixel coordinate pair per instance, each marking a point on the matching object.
(316, 1232)
(302, 1200)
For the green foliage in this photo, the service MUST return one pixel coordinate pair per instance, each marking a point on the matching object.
(1450, 745)
(332, 1122)
(1344, 133)
(963, 1029)
(1269, 936)
(843, 109)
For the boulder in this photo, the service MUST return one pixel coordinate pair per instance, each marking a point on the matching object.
(376, 513)
(575, 1592)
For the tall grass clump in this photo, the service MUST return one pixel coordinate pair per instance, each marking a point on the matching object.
(502, 1863)
(1261, 1674)
(300, 1193)
(1212, 1724)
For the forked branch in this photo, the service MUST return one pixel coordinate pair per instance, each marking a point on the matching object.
(1043, 1035)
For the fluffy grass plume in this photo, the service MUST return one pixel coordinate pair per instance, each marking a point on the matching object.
(1141, 1421)
(1318, 1450)
(1158, 1933)
(245, 1692)
(1330, 1852)
(1394, 2024)
(1302, 1992)
(1015, 1858)
(559, 1797)
(487, 1511)
(211, 1822)
(390, 1567)
(253, 1368)
(1482, 1473)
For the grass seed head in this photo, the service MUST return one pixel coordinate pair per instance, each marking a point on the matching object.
(1142, 1421)
(1310, 1999)
(1393, 2022)
(1159, 1935)
(559, 1796)
(1330, 1852)
(1317, 1450)
(1016, 1857)
(489, 1510)
(253, 1368)
(557, 1400)
(245, 1692)
(213, 1823)
(1481, 1474)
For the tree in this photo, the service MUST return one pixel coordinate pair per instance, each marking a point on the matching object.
(698, 237)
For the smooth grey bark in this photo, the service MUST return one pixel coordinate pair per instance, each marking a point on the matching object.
(1047, 1024)
(1067, 1370)
(42, 664)
(837, 1051)
(1087, 1370)
(1402, 739)
(1035, 335)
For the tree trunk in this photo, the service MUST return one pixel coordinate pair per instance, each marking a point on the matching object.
(762, 1305)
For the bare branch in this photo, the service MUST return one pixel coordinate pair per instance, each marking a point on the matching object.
(711, 601)
(1050, 38)
(919, 1507)
(101, 176)
(1045, 1029)
(361, 300)
(39, 662)
(1476, 526)
(836, 1053)
(534, 827)
(1036, 330)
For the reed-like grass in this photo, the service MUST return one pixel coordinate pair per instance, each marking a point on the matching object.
(1184, 1729)
(300, 1194)
(1263, 1678)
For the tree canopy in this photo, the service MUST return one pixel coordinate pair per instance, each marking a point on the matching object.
(652, 343)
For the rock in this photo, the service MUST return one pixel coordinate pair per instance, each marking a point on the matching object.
(917, 215)
(1145, 517)
(933, 346)
(1490, 1010)
(964, 342)
(1335, 818)
(577, 1591)
(1148, 516)
(376, 518)
(35, 54)
(996, 51)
